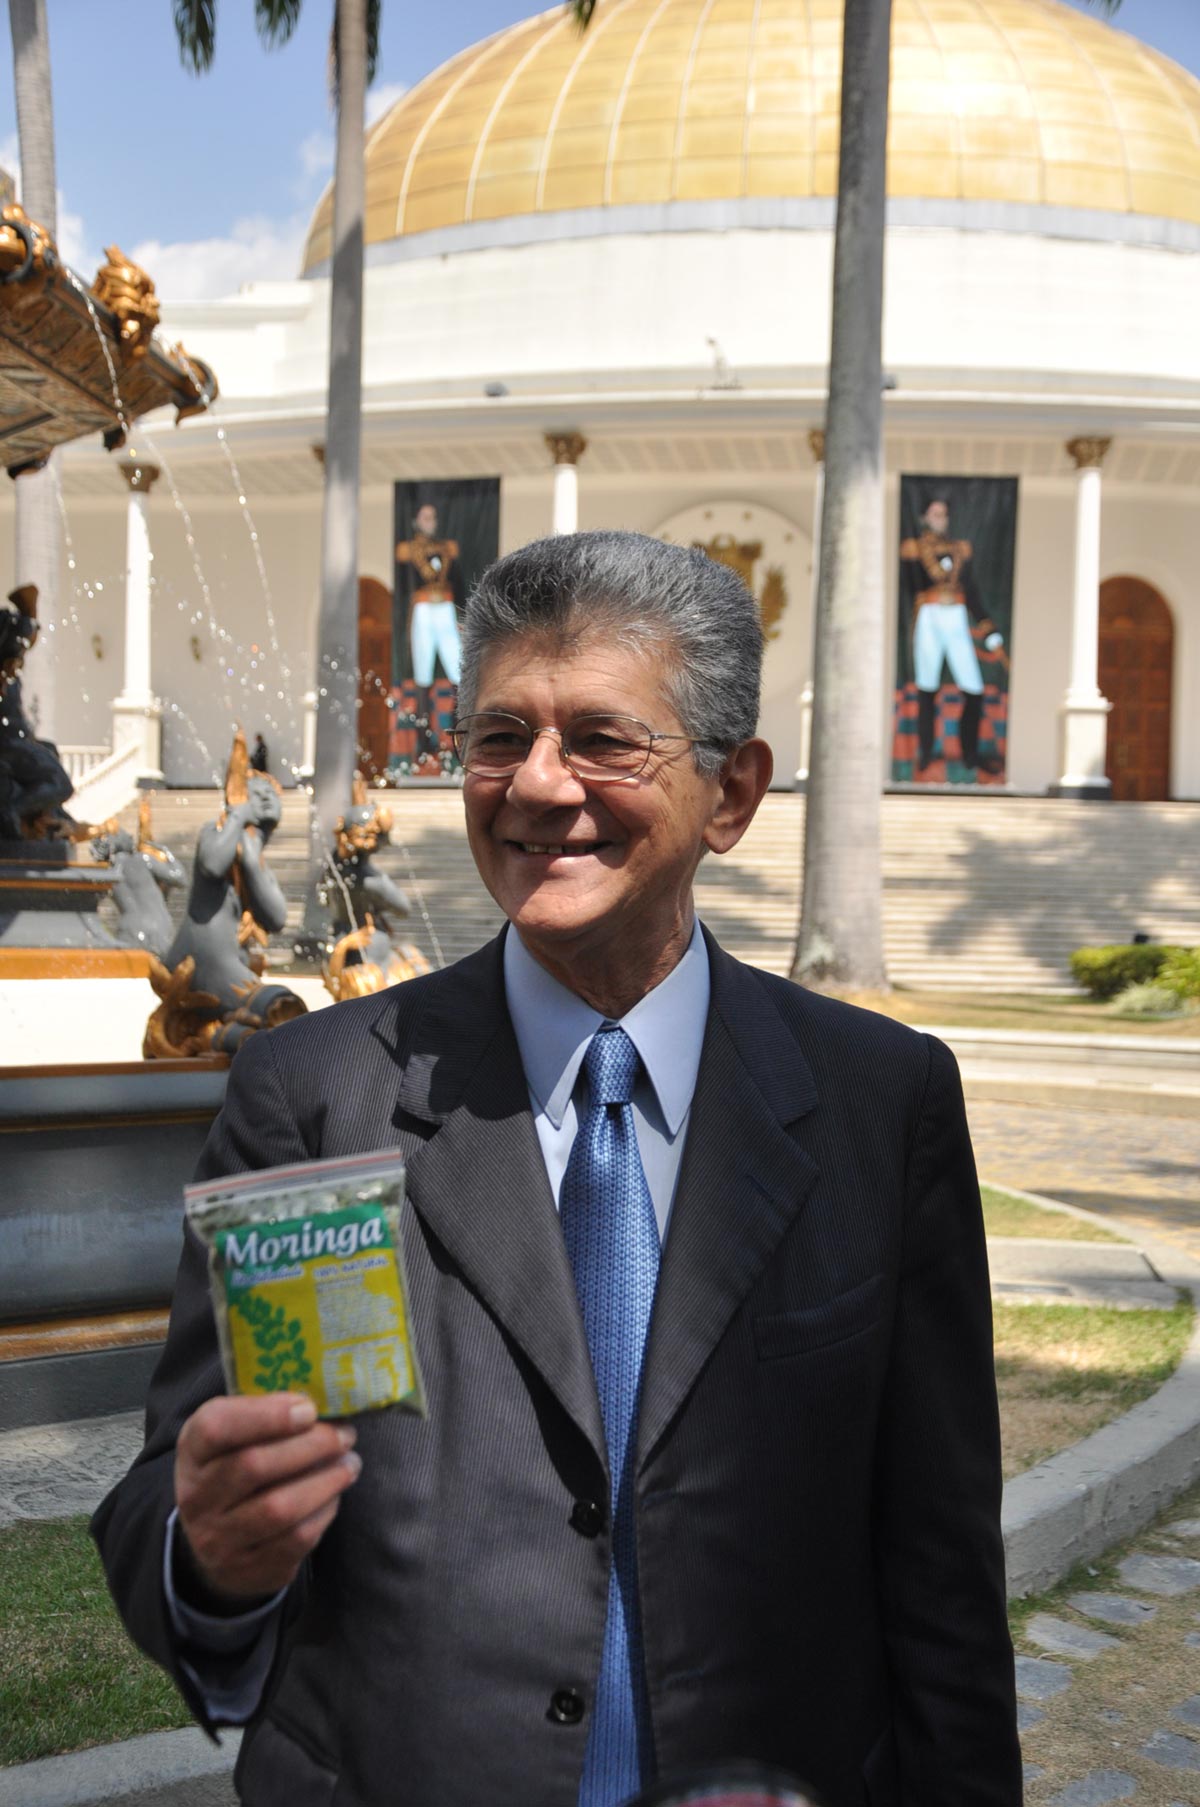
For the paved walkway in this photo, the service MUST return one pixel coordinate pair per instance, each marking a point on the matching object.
(1109, 1678)
(1144, 1170)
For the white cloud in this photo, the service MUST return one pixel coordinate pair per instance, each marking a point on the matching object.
(202, 269)
(316, 160)
(257, 248)
(75, 245)
(380, 98)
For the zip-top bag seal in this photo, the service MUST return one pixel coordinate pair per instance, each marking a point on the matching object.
(309, 1292)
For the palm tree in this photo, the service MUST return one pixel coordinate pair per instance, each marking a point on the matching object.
(38, 529)
(841, 913)
(355, 45)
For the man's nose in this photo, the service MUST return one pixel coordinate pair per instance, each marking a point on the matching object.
(544, 775)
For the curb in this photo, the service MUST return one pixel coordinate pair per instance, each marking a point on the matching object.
(1079, 1503)
(1093, 1094)
(110, 1772)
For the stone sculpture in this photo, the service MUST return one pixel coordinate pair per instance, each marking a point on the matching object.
(34, 784)
(211, 985)
(361, 898)
(143, 871)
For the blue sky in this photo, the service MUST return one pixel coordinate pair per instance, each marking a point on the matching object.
(210, 181)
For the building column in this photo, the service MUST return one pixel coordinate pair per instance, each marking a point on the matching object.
(566, 449)
(1083, 715)
(136, 712)
(308, 736)
(816, 441)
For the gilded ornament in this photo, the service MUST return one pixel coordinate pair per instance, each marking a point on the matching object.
(742, 556)
(1088, 454)
(126, 290)
(28, 256)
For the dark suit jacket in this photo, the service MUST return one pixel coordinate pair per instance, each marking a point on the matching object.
(818, 1486)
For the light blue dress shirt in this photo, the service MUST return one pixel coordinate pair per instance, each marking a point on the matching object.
(553, 1028)
(230, 1658)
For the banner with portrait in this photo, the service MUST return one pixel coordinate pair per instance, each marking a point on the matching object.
(446, 531)
(954, 629)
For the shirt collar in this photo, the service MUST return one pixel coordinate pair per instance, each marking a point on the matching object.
(553, 1028)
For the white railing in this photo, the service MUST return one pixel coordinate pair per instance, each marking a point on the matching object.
(80, 760)
(109, 786)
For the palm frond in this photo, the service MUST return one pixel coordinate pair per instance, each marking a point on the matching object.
(196, 29)
(276, 20)
(374, 16)
(582, 10)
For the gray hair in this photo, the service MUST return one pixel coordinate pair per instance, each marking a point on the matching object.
(642, 594)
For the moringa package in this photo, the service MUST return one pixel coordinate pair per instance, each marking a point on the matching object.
(308, 1284)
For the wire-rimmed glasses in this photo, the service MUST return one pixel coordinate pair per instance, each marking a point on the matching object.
(601, 749)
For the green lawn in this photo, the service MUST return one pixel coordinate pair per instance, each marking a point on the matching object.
(1005, 1215)
(1063, 1371)
(69, 1675)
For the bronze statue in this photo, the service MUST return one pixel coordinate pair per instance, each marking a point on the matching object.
(34, 784)
(144, 872)
(359, 896)
(127, 291)
(211, 985)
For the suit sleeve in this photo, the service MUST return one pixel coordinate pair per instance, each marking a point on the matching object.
(255, 1128)
(940, 1556)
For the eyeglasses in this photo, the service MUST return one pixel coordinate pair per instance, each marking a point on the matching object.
(599, 748)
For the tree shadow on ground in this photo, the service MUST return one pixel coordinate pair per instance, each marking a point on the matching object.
(1103, 873)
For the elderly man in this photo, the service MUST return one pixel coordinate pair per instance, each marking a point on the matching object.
(711, 1465)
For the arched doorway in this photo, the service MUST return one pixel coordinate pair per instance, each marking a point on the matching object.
(1137, 646)
(374, 676)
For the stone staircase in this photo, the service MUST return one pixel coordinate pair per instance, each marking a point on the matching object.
(979, 892)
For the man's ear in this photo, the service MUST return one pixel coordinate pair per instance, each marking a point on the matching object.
(744, 778)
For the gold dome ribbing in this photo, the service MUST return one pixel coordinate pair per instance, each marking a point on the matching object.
(685, 100)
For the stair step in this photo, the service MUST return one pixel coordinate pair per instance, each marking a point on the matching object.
(992, 892)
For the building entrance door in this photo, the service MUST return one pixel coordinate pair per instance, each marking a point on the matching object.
(1137, 645)
(374, 676)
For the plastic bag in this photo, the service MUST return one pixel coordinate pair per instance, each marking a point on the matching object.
(308, 1284)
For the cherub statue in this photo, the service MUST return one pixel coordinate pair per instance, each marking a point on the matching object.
(359, 895)
(144, 872)
(34, 783)
(128, 292)
(211, 983)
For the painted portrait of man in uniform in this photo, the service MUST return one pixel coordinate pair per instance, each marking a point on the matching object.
(446, 532)
(957, 547)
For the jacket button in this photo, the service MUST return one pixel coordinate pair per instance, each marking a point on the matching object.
(587, 1518)
(566, 1707)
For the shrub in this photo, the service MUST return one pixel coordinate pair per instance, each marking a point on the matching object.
(1180, 972)
(1105, 971)
(1152, 999)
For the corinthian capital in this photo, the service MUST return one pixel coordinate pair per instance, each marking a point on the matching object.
(1088, 454)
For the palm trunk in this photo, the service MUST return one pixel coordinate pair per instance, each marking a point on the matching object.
(38, 528)
(841, 915)
(337, 633)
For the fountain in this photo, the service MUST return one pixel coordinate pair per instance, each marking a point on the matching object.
(87, 1252)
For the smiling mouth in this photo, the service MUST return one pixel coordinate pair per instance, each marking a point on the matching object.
(557, 850)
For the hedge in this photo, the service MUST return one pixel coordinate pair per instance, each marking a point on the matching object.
(1105, 971)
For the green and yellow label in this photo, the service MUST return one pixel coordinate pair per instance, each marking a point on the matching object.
(316, 1306)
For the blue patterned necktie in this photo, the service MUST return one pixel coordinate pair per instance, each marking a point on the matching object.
(612, 1240)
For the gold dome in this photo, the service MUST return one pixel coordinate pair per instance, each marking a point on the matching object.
(662, 101)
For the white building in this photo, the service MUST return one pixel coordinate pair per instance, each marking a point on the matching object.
(626, 236)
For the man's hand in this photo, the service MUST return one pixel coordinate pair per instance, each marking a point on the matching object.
(258, 1482)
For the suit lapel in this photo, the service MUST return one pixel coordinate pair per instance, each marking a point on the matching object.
(742, 1183)
(479, 1182)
